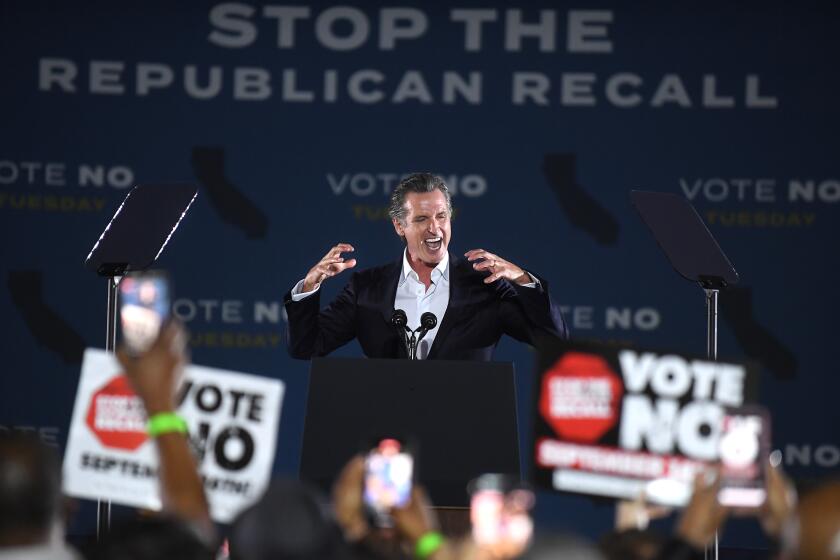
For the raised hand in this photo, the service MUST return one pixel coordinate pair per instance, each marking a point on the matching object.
(703, 515)
(780, 503)
(497, 267)
(348, 502)
(332, 263)
(155, 374)
(638, 513)
(417, 517)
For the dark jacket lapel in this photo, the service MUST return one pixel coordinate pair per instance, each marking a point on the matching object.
(389, 279)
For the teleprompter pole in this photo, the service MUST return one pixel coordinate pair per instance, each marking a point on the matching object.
(711, 323)
(103, 507)
(711, 551)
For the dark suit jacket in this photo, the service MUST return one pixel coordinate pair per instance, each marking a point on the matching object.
(476, 317)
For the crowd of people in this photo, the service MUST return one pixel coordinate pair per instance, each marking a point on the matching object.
(294, 521)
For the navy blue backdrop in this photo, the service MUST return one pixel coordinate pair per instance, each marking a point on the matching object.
(296, 121)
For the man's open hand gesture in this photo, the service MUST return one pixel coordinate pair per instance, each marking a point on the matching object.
(332, 263)
(497, 267)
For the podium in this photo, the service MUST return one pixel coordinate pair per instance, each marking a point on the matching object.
(460, 414)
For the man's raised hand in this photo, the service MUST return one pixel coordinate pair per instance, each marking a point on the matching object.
(497, 267)
(332, 263)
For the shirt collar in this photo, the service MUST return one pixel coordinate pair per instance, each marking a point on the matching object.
(441, 270)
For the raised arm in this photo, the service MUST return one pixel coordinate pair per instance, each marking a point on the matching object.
(528, 311)
(314, 332)
(154, 375)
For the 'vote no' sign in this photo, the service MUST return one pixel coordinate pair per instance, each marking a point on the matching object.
(232, 418)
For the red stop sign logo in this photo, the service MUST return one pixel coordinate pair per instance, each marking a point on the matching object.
(580, 397)
(116, 416)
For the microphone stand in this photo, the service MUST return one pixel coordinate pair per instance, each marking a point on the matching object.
(412, 343)
(423, 332)
(428, 321)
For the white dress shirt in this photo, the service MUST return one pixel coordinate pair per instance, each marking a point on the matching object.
(413, 297)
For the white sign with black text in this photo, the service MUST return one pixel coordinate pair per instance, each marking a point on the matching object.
(232, 417)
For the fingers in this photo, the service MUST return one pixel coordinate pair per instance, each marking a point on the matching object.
(776, 479)
(707, 482)
(338, 249)
(330, 269)
(416, 518)
(331, 264)
(658, 512)
(352, 474)
(493, 277)
(485, 264)
(491, 263)
(172, 336)
(419, 498)
(123, 358)
(475, 254)
(704, 514)
(497, 267)
(347, 499)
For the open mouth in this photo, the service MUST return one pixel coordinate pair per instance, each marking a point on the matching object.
(433, 243)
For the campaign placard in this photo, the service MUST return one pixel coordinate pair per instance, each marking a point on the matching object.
(620, 422)
(232, 417)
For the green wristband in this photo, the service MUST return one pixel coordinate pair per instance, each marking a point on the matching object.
(166, 423)
(428, 544)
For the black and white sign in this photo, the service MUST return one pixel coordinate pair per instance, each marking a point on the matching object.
(619, 422)
(233, 420)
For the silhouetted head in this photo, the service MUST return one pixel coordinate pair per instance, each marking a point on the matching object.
(30, 489)
(153, 538)
(631, 544)
(291, 522)
(550, 546)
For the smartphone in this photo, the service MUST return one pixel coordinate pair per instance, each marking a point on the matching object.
(389, 473)
(744, 449)
(144, 308)
(500, 509)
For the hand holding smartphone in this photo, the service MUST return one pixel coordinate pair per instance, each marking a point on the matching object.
(744, 451)
(389, 474)
(144, 309)
(500, 515)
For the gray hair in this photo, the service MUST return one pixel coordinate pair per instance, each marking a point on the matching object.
(416, 183)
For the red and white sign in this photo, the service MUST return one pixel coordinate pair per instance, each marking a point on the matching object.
(620, 422)
(116, 415)
(580, 397)
(232, 417)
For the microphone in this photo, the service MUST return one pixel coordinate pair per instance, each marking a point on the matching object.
(399, 321)
(428, 321)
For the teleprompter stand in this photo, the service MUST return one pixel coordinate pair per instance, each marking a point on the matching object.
(460, 414)
(694, 254)
(691, 249)
(132, 241)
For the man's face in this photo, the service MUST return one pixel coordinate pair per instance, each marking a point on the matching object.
(427, 229)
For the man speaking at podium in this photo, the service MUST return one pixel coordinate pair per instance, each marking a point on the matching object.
(475, 299)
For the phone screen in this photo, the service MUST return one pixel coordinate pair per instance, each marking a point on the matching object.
(389, 470)
(744, 449)
(500, 515)
(144, 307)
